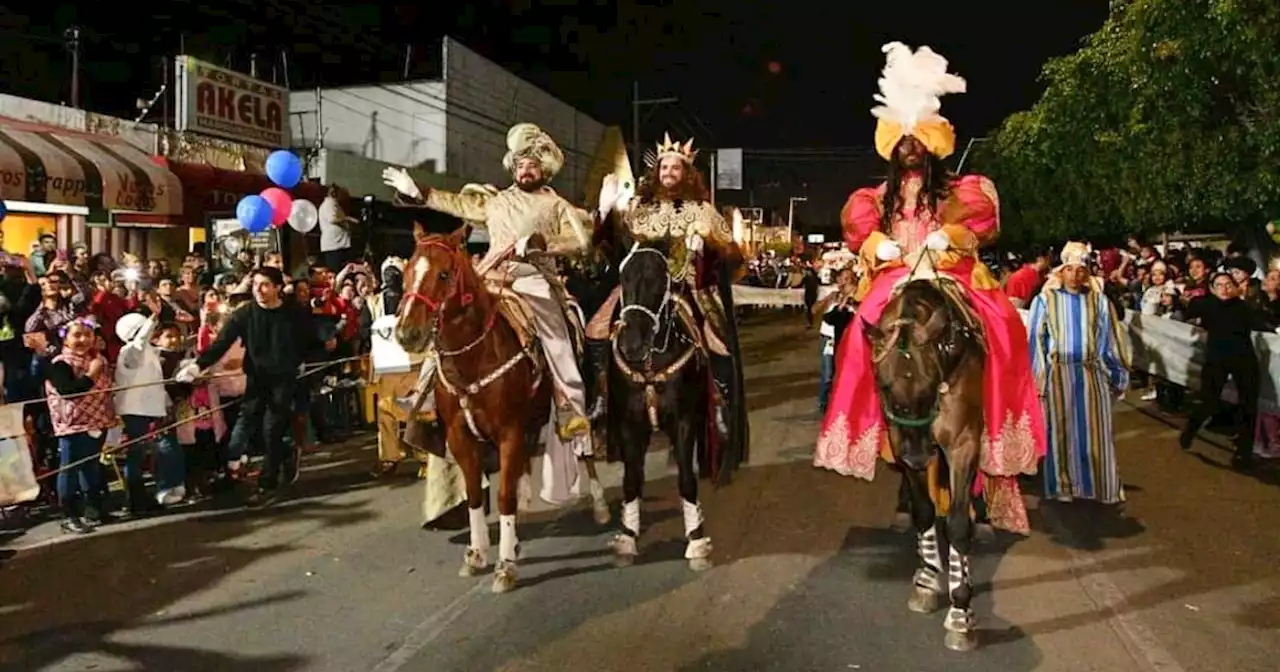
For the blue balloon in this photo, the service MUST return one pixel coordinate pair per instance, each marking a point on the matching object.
(254, 213)
(3, 211)
(284, 168)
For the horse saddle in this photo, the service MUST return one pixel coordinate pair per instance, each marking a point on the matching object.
(518, 313)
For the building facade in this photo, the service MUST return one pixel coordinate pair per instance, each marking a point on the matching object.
(456, 125)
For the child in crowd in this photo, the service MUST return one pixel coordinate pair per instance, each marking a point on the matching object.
(81, 412)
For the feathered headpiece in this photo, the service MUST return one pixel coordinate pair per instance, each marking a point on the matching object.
(911, 89)
(527, 141)
(685, 152)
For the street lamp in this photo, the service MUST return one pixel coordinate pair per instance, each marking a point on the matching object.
(791, 213)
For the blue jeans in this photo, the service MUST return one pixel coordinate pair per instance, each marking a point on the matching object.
(826, 374)
(80, 481)
(171, 464)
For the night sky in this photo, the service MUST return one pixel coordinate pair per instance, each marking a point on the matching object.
(769, 74)
(791, 82)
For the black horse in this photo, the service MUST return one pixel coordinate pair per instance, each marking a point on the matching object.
(657, 382)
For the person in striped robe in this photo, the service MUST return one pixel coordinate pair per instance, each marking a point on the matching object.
(1080, 358)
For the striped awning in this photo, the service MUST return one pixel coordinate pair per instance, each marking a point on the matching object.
(43, 164)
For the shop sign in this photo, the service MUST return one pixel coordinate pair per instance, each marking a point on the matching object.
(227, 104)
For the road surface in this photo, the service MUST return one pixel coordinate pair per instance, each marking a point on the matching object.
(340, 577)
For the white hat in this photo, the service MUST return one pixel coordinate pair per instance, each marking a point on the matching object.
(129, 326)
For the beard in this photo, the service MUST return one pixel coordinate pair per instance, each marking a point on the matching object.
(530, 185)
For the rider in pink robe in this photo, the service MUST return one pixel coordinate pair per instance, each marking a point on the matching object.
(854, 431)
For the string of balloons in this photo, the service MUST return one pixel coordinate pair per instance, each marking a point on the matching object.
(275, 207)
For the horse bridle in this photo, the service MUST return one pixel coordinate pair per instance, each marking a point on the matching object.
(465, 298)
(663, 306)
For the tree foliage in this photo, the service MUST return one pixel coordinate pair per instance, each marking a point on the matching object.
(1167, 118)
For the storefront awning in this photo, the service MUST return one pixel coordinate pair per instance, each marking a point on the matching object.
(61, 167)
(211, 191)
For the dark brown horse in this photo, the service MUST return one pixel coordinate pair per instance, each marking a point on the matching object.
(928, 365)
(490, 389)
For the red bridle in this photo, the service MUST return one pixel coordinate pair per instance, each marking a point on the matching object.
(465, 298)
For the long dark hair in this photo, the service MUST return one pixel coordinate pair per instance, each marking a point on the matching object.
(937, 186)
(691, 188)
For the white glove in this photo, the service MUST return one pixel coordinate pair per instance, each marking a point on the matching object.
(625, 193)
(522, 246)
(608, 194)
(888, 251)
(1278, 330)
(694, 243)
(188, 373)
(937, 241)
(398, 179)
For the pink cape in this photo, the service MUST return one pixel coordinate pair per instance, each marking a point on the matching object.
(1013, 440)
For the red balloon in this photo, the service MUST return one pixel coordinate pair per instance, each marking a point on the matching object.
(281, 203)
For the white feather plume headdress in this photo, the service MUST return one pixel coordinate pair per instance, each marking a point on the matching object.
(911, 89)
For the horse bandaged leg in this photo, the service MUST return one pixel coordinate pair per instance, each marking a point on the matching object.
(698, 551)
(599, 504)
(508, 542)
(624, 543)
(960, 623)
(927, 589)
(477, 555)
(557, 345)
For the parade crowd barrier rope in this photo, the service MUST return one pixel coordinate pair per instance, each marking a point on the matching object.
(17, 476)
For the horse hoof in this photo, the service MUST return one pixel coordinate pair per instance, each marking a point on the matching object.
(961, 641)
(984, 533)
(700, 564)
(601, 514)
(504, 578)
(901, 522)
(473, 563)
(924, 601)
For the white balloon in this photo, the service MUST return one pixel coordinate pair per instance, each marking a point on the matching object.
(303, 215)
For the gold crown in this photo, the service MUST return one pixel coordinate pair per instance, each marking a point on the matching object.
(685, 151)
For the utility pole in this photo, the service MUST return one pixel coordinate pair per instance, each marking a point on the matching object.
(72, 36)
(791, 213)
(636, 103)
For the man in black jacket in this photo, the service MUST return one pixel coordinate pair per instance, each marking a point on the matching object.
(1230, 323)
(276, 335)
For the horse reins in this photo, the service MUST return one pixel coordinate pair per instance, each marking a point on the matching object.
(465, 298)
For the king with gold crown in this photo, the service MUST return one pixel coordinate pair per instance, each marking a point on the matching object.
(672, 204)
(923, 210)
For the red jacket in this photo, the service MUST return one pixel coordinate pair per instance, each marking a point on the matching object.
(107, 308)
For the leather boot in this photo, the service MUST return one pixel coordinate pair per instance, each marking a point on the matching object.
(722, 374)
(596, 376)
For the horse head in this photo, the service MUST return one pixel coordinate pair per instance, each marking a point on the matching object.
(645, 279)
(437, 279)
(910, 363)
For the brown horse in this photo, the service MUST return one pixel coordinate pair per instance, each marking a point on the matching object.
(490, 388)
(928, 365)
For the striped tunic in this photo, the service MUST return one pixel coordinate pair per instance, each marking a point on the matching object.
(1080, 359)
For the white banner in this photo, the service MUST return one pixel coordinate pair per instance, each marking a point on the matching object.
(746, 295)
(227, 104)
(1174, 351)
(728, 169)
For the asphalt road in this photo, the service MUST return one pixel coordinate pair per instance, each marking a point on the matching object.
(807, 575)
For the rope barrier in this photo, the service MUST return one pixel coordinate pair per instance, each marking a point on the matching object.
(112, 450)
